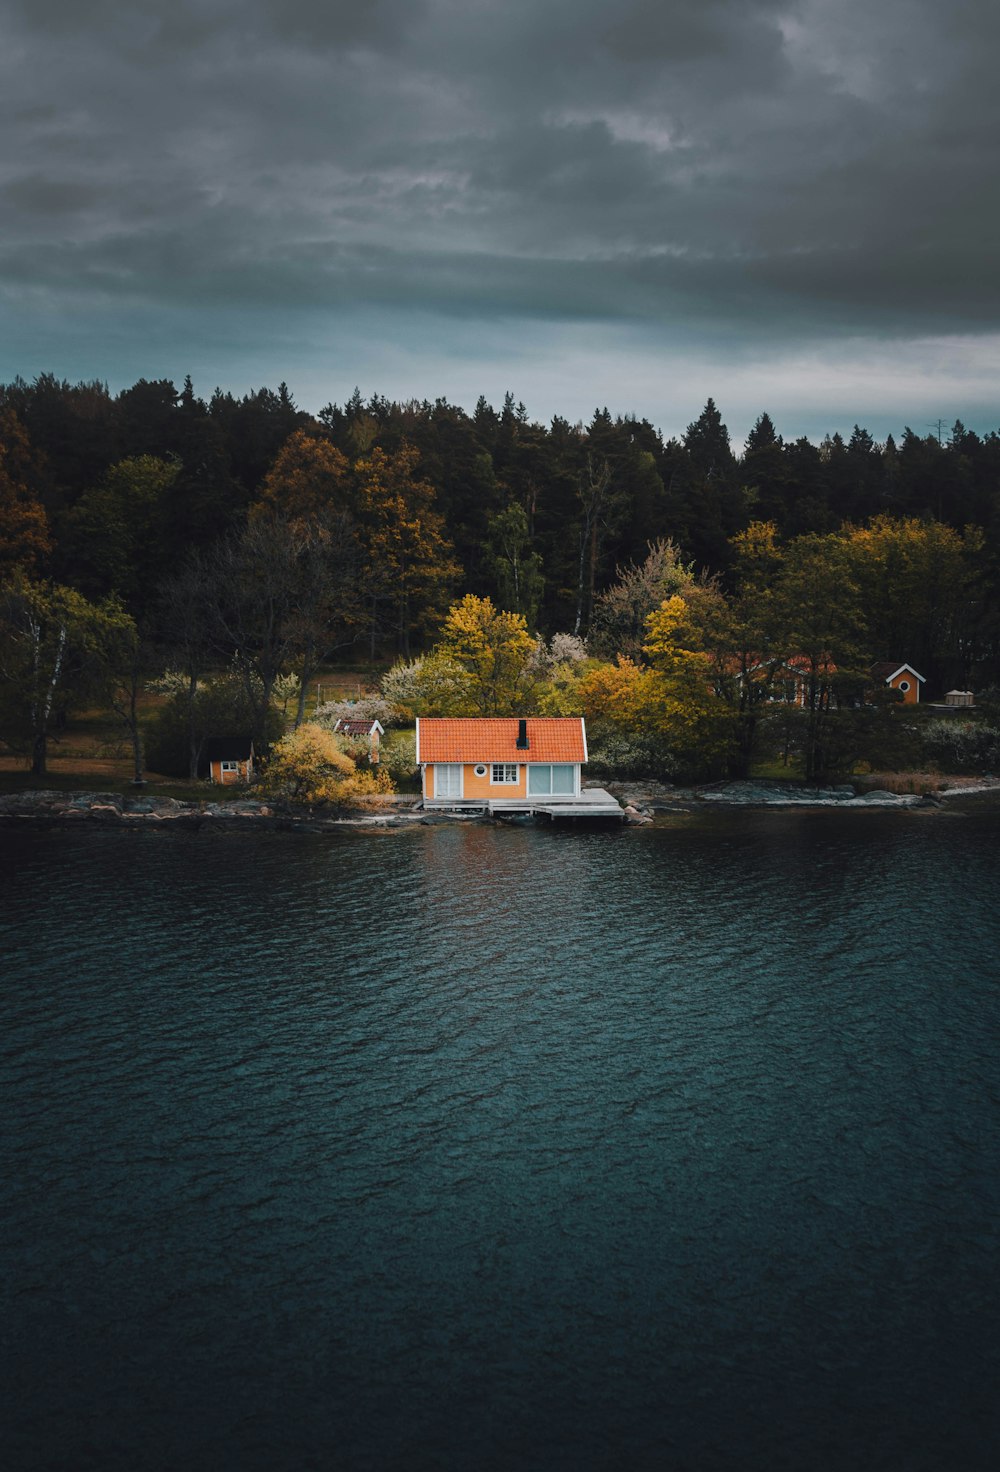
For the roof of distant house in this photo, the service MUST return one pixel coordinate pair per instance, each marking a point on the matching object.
(348, 727)
(888, 669)
(227, 749)
(494, 739)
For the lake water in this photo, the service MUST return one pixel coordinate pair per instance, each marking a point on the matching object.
(471, 1148)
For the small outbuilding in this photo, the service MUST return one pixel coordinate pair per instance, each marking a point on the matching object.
(958, 698)
(229, 759)
(372, 731)
(902, 678)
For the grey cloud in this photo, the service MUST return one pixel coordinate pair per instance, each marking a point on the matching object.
(672, 31)
(190, 23)
(736, 166)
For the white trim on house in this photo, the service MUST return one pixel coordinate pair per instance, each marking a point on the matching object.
(905, 668)
(418, 741)
(583, 733)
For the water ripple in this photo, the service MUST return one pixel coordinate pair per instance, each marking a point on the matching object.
(522, 1148)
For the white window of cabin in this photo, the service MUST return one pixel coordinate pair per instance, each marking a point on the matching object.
(504, 774)
(230, 766)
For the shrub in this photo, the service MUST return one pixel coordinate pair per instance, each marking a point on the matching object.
(308, 766)
(623, 756)
(962, 745)
(399, 758)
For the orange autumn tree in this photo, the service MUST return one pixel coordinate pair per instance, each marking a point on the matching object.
(24, 527)
(410, 561)
(309, 477)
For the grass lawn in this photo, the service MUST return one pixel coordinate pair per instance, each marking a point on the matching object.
(94, 754)
(776, 770)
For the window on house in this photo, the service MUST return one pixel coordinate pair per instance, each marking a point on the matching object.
(504, 773)
(230, 766)
(556, 779)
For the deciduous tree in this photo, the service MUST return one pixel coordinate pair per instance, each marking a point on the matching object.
(309, 477)
(308, 765)
(113, 542)
(621, 611)
(54, 654)
(515, 565)
(409, 558)
(495, 654)
(820, 623)
(24, 527)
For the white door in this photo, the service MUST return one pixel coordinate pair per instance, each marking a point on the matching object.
(447, 780)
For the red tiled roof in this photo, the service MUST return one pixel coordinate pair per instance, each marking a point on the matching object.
(494, 739)
(356, 728)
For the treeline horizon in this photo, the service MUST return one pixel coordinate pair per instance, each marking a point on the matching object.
(540, 517)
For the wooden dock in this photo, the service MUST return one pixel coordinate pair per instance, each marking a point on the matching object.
(592, 802)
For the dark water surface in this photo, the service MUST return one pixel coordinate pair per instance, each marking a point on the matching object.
(473, 1148)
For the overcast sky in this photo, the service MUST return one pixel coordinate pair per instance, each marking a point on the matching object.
(791, 207)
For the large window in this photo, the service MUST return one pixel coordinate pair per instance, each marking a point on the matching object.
(504, 773)
(557, 779)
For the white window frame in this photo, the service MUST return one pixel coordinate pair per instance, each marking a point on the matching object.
(539, 766)
(450, 767)
(505, 778)
(229, 766)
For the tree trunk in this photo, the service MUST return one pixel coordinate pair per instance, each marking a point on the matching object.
(304, 678)
(39, 754)
(579, 587)
(593, 572)
(135, 731)
(194, 745)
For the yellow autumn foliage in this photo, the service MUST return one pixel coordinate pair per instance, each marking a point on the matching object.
(308, 766)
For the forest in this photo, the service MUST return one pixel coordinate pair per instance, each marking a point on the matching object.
(234, 548)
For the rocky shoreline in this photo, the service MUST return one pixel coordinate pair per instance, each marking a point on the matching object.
(642, 803)
(652, 798)
(115, 809)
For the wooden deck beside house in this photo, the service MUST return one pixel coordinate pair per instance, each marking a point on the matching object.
(592, 802)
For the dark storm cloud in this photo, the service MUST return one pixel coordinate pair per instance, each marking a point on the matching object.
(769, 169)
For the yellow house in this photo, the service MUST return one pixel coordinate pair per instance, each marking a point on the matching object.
(902, 678)
(501, 761)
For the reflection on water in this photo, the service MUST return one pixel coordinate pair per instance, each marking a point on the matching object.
(467, 1148)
